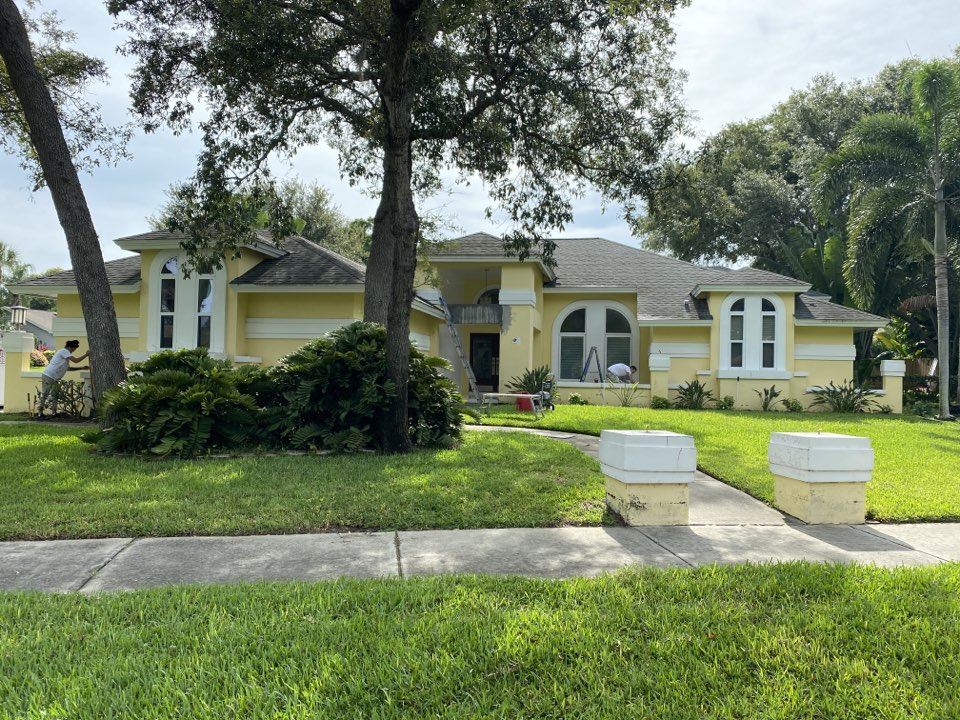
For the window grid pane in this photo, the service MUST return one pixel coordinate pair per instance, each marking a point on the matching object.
(168, 295)
(166, 331)
(203, 331)
(768, 354)
(769, 328)
(575, 322)
(618, 350)
(571, 357)
(736, 354)
(205, 296)
(736, 327)
(616, 322)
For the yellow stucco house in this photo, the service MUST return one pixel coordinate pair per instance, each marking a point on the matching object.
(734, 330)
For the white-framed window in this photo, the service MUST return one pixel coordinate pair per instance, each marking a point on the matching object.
(753, 333)
(185, 312)
(606, 325)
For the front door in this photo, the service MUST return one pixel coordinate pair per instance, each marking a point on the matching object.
(485, 360)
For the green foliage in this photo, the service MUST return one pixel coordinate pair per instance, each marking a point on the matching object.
(693, 396)
(726, 403)
(531, 381)
(898, 343)
(768, 397)
(792, 405)
(625, 393)
(844, 398)
(577, 399)
(182, 403)
(923, 408)
(334, 389)
(68, 75)
(658, 402)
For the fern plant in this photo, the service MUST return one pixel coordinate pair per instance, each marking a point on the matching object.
(768, 397)
(845, 398)
(693, 396)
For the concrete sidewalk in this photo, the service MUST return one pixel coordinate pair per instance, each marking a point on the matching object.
(726, 526)
(91, 566)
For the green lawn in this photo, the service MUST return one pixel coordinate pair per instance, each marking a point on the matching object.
(52, 486)
(917, 462)
(778, 641)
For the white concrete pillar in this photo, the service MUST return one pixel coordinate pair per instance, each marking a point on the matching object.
(821, 478)
(648, 473)
(659, 375)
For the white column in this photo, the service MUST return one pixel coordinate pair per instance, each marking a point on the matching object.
(647, 475)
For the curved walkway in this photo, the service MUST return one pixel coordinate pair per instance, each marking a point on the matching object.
(727, 526)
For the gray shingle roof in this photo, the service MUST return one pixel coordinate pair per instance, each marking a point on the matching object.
(263, 237)
(125, 271)
(663, 284)
(305, 263)
(817, 307)
(473, 245)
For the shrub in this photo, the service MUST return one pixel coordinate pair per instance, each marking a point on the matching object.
(924, 408)
(530, 382)
(726, 403)
(335, 388)
(844, 398)
(693, 396)
(38, 359)
(625, 393)
(167, 410)
(71, 397)
(768, 397)
(792, 405)
(657, 402)
(577, 399)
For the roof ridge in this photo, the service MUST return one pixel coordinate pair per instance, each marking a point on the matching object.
(352, 264)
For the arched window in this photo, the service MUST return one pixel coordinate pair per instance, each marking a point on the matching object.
(601, 324)
(185, 312)
(489, 297)
(753, 332)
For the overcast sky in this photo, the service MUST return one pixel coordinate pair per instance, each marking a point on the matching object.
(742, 57)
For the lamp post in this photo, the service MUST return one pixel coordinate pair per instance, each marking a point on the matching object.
(18, 314)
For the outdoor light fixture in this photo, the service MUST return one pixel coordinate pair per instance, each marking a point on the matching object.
(18, 314)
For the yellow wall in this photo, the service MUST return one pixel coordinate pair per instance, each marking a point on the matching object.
(320, 306)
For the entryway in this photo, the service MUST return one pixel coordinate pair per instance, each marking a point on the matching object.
(485, 360)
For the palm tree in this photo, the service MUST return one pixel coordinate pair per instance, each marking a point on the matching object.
(900, 176)
(12, 268)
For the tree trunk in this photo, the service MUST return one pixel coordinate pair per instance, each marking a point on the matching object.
(46, 135)
(389, 292)
(943, 302)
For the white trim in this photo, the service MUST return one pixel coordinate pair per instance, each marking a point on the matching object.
(856, 324)
(488, 259)
(574, 385)
(753, 335)
(313, 288)
(824, 352)
(663, 322)
(801, 374)
(742, 374)
(750, 289)
(819, 388)
(250, 359)
(704, 373)
(893, 368)
(422, 306)
(128, 327)
(429, 294)
(135, 245)
(488, 288)
(658, 363)
(518, 297)
(421, 341)
(681, 350)
(613, 290)
(54, 290)
(292, 328)
(185, 307)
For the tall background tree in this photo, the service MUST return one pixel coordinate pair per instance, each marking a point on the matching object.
(539, 99)
(45, 135)
(899, 177)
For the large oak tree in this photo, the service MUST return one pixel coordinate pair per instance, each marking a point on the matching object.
(540, 99)
(46, 139)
